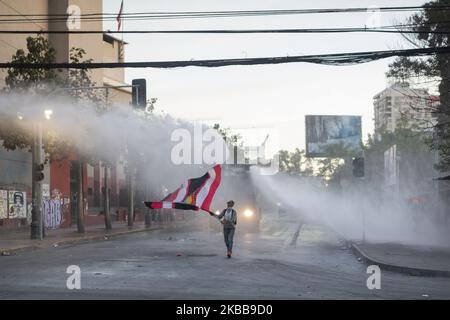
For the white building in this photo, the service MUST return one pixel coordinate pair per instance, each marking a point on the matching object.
(400, 101)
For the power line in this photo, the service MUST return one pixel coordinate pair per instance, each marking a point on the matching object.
(388, 29)
(32, 18)
(337, 59)
(264, 12)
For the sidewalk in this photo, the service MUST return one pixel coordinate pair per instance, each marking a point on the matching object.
(409, 259)
(19, 240)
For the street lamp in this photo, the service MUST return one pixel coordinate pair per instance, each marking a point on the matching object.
(48, 114)
(37, 217)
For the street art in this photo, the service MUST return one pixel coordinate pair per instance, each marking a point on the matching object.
(3, 204)
(52, 213)
(17, 205)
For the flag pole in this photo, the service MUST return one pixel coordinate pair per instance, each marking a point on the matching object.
(122, 23)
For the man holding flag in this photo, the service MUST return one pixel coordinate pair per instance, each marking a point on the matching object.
(195, 194)
(198, 193)
(228, 218)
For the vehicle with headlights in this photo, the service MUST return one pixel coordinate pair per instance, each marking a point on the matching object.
(236, 185)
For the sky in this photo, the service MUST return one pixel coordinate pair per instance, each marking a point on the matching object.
(268, 99)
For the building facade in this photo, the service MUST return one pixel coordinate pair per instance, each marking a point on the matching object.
(400, 102)
(60, 176)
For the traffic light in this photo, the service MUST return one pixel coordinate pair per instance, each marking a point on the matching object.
(358, 167)
(39, 172)
(139, 93)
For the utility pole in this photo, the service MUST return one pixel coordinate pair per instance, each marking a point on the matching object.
(130, 194)
(80, 198)
(106, 199)
(148, 221)
(106, 204)
(37, 219)
(138, 100)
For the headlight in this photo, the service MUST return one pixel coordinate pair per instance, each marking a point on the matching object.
(248, 213)
(217, 212)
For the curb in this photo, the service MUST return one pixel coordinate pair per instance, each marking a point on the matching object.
(397, 268)
(86, 239)
(105, 236)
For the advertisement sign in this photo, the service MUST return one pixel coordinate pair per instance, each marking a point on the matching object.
(324, 131)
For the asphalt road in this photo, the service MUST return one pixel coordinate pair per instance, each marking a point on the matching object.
(192, 265)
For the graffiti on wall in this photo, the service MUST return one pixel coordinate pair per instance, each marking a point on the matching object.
(52, 213)
(13, 205)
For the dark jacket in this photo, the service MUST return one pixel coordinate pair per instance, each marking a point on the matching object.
(229, 224)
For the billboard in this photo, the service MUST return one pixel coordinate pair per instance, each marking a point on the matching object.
(324, 131)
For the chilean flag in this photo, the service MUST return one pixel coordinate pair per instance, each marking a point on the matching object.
(119, 17)
(196, 194)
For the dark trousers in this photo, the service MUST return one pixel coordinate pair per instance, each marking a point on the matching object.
(228, 234)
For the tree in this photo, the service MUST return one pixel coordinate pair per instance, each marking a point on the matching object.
(38, 80)
(336, 165)
(431, 30)
(412, 148)
(12, 131)
(234, 139)
(295, 162)
(43, 82)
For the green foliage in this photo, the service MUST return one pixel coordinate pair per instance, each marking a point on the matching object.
(39, 80)
(334, 167)
(82, 78)
(16, 134)
(405, 68)
(295, 162)
(406, 139)
(234, 139)
(409, 141)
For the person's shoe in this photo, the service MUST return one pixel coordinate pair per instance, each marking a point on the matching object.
(229, 254)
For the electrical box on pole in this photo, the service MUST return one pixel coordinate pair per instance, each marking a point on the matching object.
(39, 172)
(358, 167)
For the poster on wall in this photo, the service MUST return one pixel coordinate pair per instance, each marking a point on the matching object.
(3, 204)
(17, 205)
(45, 190)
